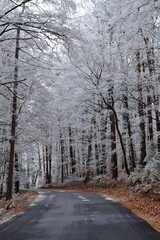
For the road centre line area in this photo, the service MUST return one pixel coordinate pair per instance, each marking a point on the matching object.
(83, 198)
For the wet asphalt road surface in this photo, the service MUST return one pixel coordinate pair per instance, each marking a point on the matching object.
(71, 215)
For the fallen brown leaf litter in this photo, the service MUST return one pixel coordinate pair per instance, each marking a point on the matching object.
(18, 204)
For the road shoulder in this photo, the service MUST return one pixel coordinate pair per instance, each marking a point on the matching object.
(19, 203)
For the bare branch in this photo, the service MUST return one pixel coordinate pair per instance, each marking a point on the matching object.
(15, 7)
(6, 83)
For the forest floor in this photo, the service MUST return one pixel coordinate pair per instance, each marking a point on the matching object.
(18, 204)
(146, 206)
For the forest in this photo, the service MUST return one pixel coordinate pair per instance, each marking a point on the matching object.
(79, 92)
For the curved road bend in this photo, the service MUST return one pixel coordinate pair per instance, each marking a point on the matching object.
(71, 215)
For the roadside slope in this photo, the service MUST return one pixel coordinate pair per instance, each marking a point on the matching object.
(18, 204)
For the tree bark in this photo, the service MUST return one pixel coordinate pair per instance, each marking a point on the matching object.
(141, 113)
(71, 151)
(111, 107)
(114, 167)
(157, 115)
(50, 165)
(87, 173)
(127, 120)
(47, 160)
(39, 162)
(62, 157)
(44, 160)
(13, 122)
(16, 184)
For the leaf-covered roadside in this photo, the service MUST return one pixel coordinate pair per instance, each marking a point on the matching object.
(146, 206)
(19, 203)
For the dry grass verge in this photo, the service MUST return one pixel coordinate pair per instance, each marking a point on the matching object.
(19, 203)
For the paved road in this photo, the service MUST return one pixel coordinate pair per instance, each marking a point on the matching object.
(70, 215)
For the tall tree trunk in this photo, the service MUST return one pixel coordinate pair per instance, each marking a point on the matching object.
(13, 123)
(62, 161)
(83, 143)
(142, 129)
(16, 184)
(2, 178)
(44, 160)
(88, 160)
(103, 168)
(128, 123)
(141, 112)
(28, 174)
(150, 124)
(111, 107)
(47, 160)
(150, 65)
(157, 126)
(114, 167)
(97, 159)
(121, 142)
(158, 131)
(71, 151)
(62, 157)
(39, 161)
(50, 165)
